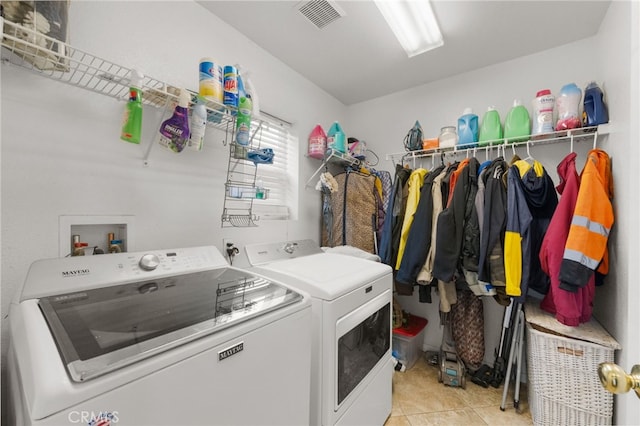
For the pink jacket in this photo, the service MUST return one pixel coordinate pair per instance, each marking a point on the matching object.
(569, 308)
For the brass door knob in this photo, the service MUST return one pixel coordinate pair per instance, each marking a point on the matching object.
(615, 380)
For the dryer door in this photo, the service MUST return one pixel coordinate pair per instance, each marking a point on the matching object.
(364, 337)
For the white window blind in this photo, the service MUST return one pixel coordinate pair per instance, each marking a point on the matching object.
(275, 177)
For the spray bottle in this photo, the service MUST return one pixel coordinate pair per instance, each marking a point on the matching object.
(244, 78)
(243, 121)
(132, 120)
(174, 132)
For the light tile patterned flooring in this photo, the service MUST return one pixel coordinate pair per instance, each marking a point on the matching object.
(419, 399)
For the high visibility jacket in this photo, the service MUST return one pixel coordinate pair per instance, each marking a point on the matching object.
(586, 247)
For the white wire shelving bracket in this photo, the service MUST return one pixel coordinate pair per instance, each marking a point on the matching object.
(501, 146)
(334, 157)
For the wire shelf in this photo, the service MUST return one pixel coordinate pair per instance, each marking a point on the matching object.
(48, 57)
(582, 134)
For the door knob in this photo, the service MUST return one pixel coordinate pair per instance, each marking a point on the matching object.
(615, 380)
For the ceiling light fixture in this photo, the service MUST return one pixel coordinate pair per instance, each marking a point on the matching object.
(413, 23)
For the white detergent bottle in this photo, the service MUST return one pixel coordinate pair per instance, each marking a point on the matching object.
(197, 125)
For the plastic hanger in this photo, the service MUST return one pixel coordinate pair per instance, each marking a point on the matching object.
(529, 158)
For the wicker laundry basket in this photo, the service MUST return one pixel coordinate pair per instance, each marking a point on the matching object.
(564, 388)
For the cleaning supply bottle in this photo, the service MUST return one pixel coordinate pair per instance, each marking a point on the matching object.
(210, 80)
(517, 124)
(132, 121)
(543, 106)
(243, 120)
(491, 129)
(174, 132)
(468, 129)
(317, 143)
(568, 105)
(336, 138)
(230, 80)
(197, 125)
(595, 109)
(249, 89)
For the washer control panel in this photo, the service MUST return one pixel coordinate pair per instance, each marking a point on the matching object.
(259, 254)
(149, 262)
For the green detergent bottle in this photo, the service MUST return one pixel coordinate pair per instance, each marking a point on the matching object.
(490, 129)
(517, 124)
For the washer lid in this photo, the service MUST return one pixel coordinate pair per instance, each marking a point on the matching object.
(103, 329)
(327, 275)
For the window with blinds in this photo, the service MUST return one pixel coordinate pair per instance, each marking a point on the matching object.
(274, 133)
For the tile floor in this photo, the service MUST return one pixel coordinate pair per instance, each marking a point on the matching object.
(419, 399)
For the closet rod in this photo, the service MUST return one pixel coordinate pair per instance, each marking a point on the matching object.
(580, 134)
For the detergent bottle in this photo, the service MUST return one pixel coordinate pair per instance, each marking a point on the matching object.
(595, 109)
(517, 124)
(543, 105)
(468, 129)
(491, 128)
(197, 125)
(336, 138)
(317, 143)
(568, 105)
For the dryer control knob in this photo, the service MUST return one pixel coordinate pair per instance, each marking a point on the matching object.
(149, 262)
(289, 248)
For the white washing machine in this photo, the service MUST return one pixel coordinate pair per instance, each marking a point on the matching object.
(166, 337)
(351, 361)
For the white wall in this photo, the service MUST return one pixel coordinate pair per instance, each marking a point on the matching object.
(611, 58)
(61, 152)
(616, 307)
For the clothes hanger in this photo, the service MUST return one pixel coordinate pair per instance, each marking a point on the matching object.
(529, 158)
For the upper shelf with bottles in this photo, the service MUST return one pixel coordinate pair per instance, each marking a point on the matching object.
(571, 136)
(59, 61)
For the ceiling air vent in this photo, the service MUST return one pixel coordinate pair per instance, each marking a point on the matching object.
(320, 12)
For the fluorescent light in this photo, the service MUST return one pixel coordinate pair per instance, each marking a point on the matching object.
(413, 23)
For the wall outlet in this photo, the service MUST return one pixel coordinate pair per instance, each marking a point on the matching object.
(230, 250)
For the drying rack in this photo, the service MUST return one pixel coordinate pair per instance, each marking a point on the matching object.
(502, 146)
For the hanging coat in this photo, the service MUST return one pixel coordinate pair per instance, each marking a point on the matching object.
(586, 248)
(494, 219)
(415, 185)
(394, 216)
(419, 239)
(531, 201)
(569, 308)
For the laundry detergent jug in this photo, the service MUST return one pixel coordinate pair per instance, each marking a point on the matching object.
(595, 109)
(317, 143)
(490, 129)
(517, 124)
(468, 129)
(568, 105)
(543, 106)
(336, 138)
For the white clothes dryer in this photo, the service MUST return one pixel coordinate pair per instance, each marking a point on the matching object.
(351, 361)
(165, 337)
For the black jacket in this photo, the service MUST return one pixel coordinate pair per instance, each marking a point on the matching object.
(450, 234)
